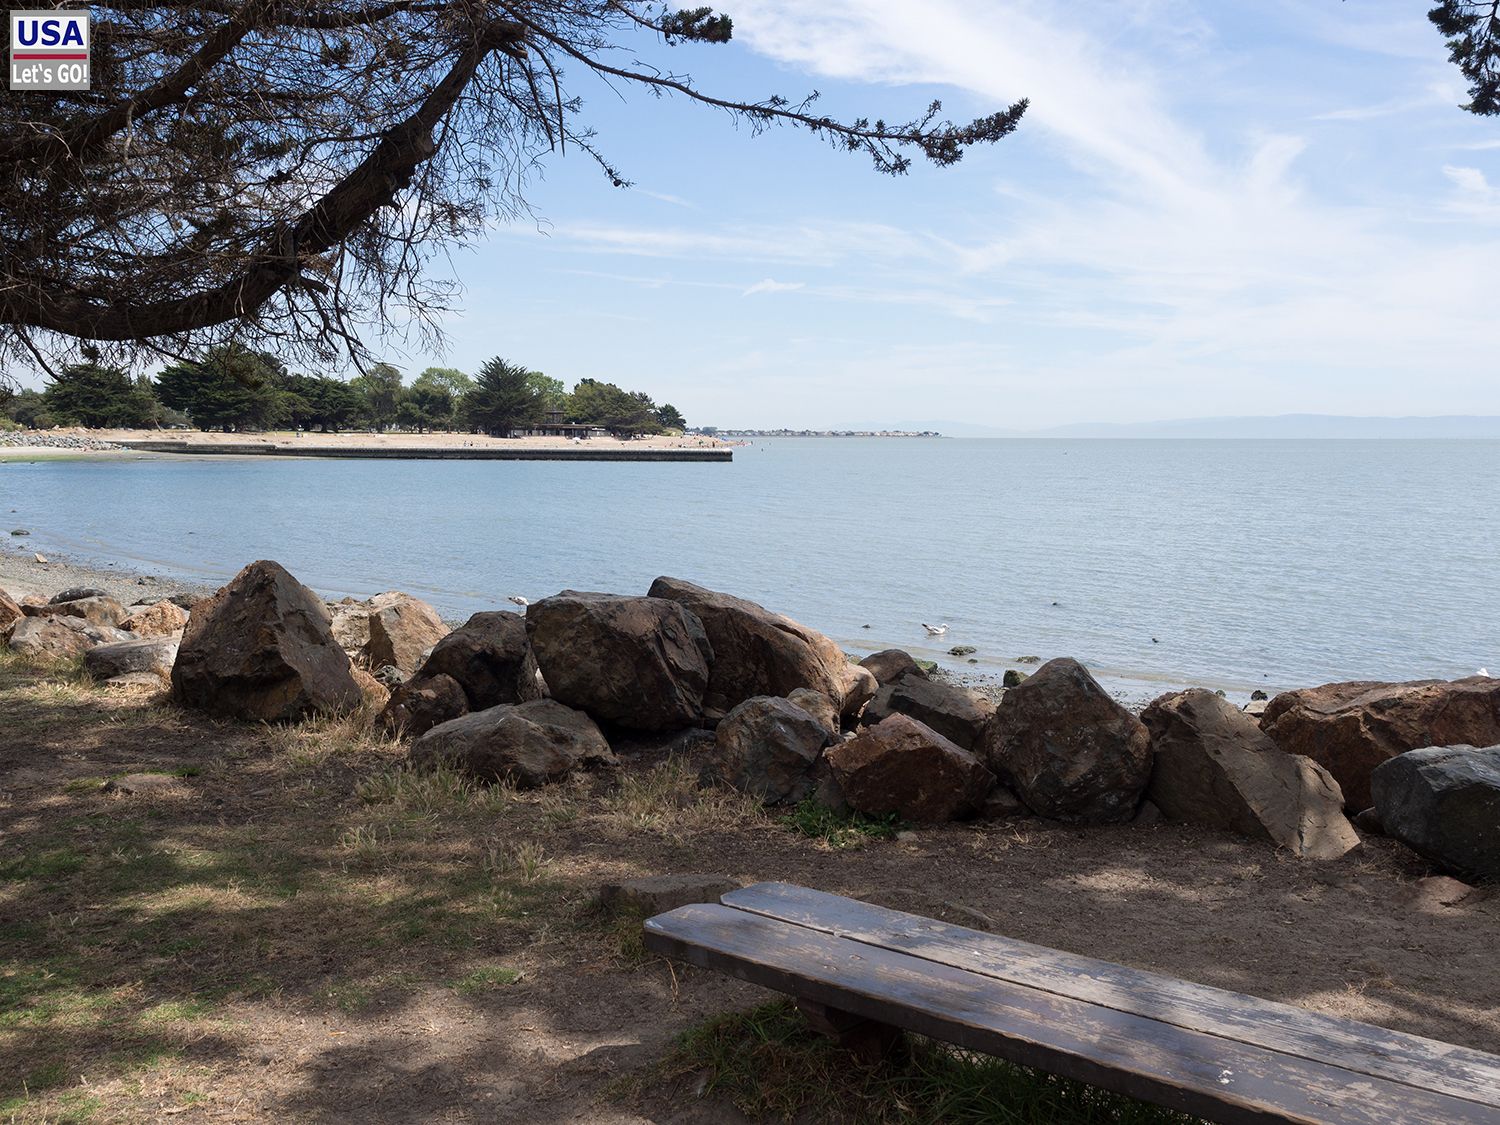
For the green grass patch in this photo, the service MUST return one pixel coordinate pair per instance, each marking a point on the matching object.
(485, 979)
(771, 1066)
(848, 829)
(51, 863)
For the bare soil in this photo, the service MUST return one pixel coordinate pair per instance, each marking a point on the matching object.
(288, 927)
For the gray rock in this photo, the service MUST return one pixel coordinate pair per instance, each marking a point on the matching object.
(59, 638)
(1013, 678)
(962, 650)
(890, 665)
(767, 747)
(525, 744)
(78, 593)
(95, 609)
(154, 655)
(1214, 766)
(955, 713)
(1443, 802)
(656, 894)
(1067, 749)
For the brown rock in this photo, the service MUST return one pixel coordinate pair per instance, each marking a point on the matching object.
(1350, 728)
(904, 767)
(95, 610)
(262, 649)
(402, 629)
(10, 612)
(371, 690)
(490, 658)
(160, 620)
(422, 703)
(953, 712)
(889, 665)
(642, 663)
(757, 652)
(820, 707)
(527, 745)
(1067, 749)
(1213, 765)
(766, 747)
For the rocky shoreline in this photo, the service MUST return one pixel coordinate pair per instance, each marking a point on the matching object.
(756, 702)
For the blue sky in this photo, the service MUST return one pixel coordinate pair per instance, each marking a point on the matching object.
(1210, 209)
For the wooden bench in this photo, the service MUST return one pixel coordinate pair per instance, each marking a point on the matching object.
(862, 972)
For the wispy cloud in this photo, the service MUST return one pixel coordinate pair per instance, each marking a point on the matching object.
(771, 285)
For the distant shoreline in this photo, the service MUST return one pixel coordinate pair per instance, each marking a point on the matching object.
(367, 446)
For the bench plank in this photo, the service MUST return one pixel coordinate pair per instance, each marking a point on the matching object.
(1360, 1047)
(1221, 1079)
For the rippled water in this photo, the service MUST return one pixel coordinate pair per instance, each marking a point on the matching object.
(1250, 563)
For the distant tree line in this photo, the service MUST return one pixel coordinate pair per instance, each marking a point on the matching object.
(233, 389)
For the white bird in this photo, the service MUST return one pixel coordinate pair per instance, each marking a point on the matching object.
(519, 600)
(935, 630)
(1482, 672)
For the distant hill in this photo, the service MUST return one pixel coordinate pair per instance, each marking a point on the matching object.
(1320, 426)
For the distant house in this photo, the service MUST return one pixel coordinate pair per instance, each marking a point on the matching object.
(555, 425)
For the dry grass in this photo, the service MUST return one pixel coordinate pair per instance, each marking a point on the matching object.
(668, 800)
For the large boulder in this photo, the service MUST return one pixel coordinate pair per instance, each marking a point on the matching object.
(262, 649)
(59, 638)
(757, 652)
(490, 658)
(1212, 764)
(422, 703)
(96, 610)
(891, 664)
(1350, 728)
(162, 619)
(905, 767)
(767, 747)
(526, 744)
(953, 712)
(1067, 749)
(123, 658)
(402, 629)
(820, 707)
(641, 663)
(349, 619)
(1443, 802)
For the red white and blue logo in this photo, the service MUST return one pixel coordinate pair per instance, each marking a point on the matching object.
(49, 50)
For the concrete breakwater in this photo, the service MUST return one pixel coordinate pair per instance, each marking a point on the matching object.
(428, 453)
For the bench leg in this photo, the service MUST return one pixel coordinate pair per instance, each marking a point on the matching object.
(867, 1040)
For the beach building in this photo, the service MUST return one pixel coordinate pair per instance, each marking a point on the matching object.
(555, 425)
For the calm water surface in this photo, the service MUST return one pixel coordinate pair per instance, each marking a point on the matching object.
(1233, 563)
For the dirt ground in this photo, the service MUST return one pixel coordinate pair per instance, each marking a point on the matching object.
(282, 925)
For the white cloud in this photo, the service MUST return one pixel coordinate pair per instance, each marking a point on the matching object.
(1475, 198)
(771, 285)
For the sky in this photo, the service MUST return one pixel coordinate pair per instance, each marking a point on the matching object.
(1210, 209)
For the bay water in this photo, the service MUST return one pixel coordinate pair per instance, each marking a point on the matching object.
(1234, 564)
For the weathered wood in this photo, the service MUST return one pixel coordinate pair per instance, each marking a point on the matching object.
(1221, 1079)
(1359, 1047)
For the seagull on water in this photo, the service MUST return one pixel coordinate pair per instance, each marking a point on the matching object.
(935, 630)
(519, 600)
